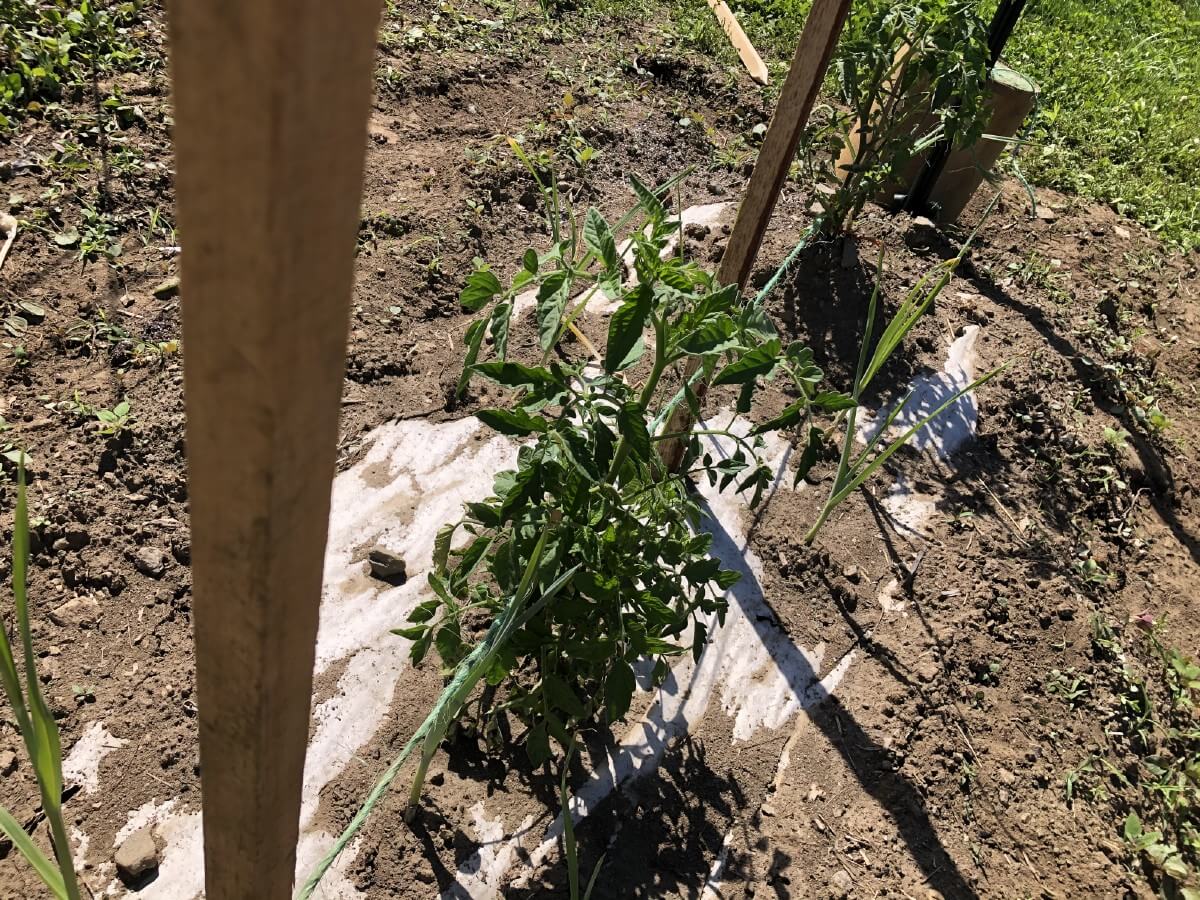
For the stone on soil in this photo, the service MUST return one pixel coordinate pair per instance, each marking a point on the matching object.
(150, 561)
(386, 565)
(137, 857)
(80, 611)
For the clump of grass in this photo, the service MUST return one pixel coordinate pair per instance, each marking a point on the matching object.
(1118, 118)
(37, 726)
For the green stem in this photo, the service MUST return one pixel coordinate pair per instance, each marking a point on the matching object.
(570, 848)
(660, 365)
(847, 442)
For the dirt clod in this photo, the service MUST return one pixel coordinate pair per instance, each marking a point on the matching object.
(150, 561)
(82, 612)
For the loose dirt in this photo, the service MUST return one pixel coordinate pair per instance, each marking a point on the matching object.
(937, 765)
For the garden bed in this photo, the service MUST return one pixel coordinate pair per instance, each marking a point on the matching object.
(907, 707)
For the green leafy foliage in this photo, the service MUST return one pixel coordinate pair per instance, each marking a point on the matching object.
(910, 73)
(50, 46)
(589, 487)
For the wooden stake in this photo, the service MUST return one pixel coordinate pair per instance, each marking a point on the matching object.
(271, 102)
(817, 42)
(746, 52)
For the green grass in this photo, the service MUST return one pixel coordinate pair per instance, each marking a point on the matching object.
(1119, 113)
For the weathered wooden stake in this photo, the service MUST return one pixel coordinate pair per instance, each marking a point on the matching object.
(271, 104)
(756, 68)
(817, 43)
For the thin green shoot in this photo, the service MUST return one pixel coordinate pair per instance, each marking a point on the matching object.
(36, 724)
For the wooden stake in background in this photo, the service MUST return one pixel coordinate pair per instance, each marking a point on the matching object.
(817, 42)
(271, 103)
(746, 52)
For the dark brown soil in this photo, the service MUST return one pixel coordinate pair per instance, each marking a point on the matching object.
(939, 765)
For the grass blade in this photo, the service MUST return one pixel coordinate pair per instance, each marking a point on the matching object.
(878, 461)
(46, 870)
(34, 719)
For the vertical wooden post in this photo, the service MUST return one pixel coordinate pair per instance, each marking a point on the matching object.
(817, 42)
(271, 105)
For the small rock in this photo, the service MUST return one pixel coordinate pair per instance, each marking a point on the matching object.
(438, 778)
(83, 612)
(921, 222)
(150, 561)
(137, 857)
(1122, 232)
(1006, 776)
(1066, 613)
(1046, 214)
(841, 883)
(386, 565)
(8, 763)
(167, 288)
(768, 810)
(852, 574)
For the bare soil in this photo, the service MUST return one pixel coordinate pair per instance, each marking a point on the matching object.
(937, 768)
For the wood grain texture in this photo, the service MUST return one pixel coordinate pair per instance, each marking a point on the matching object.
(271, 103)
(817, 42)
(796, 99)
(737, 37)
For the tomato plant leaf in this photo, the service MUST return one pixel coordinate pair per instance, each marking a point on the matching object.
(515, 375)
(625, 331)
(618, 690)
(482, 285)
(516, 422)
(551, 299)
(632, 423)
(759, 361)
(599, 239)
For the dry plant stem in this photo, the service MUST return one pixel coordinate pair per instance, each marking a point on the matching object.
(9, 224)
